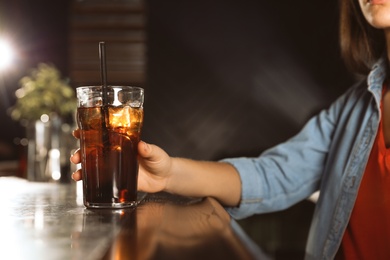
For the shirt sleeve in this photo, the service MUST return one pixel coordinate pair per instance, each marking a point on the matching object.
(289, 172)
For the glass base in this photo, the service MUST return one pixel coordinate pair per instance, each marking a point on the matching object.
(122, 205)
(128, 204)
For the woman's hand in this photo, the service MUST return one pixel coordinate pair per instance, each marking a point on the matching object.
(154, 166)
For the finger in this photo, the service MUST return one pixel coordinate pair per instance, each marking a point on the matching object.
(76, 133)
(150, 152)
(76, 157)
(77, 175)
(143, 149)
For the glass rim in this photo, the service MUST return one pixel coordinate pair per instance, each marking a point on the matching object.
(110, 86)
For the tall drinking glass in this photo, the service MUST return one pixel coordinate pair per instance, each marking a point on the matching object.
(109, 136)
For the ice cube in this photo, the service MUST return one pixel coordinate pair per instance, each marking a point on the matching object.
(135, 103)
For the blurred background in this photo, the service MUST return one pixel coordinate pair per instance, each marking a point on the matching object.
(223, 78)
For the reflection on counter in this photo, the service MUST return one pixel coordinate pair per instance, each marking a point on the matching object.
(196, 230)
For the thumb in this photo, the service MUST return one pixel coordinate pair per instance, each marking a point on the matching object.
(152, 153)
(144, 150)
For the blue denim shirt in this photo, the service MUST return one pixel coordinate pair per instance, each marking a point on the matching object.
(329, 154)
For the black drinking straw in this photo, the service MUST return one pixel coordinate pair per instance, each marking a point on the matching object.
(103, 71)
(103, 74)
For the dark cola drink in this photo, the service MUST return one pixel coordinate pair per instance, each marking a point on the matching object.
(109, 137)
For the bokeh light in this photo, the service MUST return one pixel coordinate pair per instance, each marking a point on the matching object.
(6, 54)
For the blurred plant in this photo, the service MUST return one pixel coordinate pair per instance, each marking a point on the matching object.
(43, 92)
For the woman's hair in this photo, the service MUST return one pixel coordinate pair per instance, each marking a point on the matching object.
(361, 44)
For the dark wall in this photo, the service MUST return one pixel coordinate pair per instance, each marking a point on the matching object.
(38, 31)
(224, 77)
(231, 78)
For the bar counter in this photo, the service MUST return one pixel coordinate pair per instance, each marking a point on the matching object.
(49, 221)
